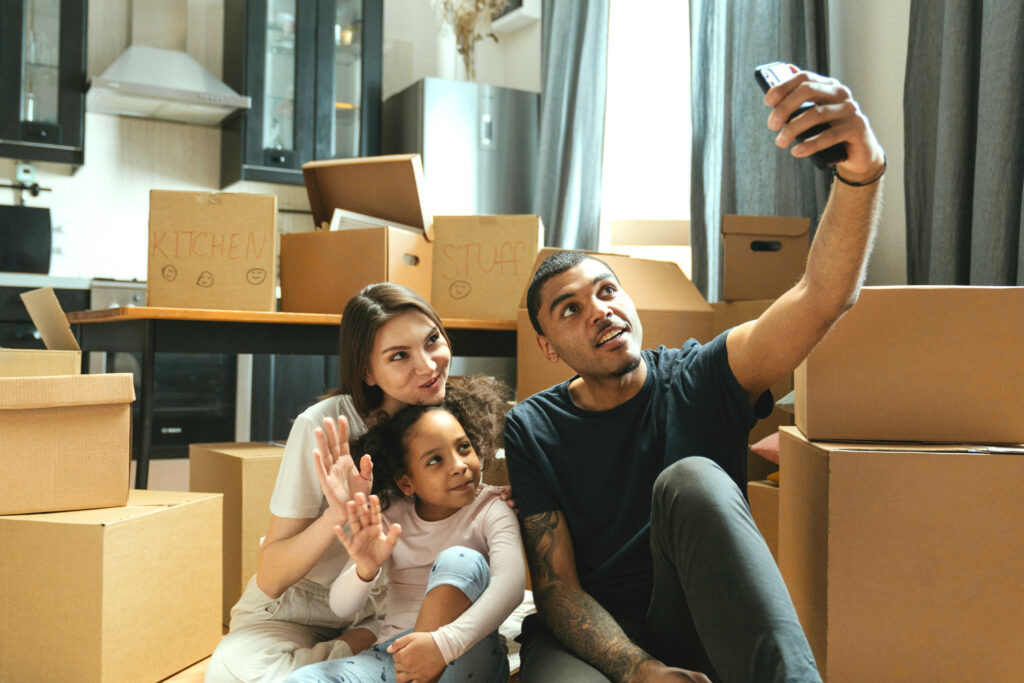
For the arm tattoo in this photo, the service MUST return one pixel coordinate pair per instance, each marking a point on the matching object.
(576, 618)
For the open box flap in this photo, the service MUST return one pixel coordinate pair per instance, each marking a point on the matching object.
(653, 285)
(49, 318)
(388, 187)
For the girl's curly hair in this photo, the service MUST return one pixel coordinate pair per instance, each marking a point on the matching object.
(477, 402)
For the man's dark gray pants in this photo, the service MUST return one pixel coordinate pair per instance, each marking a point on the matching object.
(719, 604)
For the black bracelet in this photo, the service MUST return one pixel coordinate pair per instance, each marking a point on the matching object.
(865, 183)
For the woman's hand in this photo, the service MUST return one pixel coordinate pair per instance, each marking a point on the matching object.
(417, 658)
(339, 478)
(366, 542)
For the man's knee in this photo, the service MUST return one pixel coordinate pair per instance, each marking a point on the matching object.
(464, 568)
(693, 487)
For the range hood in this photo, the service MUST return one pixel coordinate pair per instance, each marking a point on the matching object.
(169, 85)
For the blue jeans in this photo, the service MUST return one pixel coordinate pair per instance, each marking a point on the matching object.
(485, 662)
(719, 604)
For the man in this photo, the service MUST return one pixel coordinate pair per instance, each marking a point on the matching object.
(630, 586)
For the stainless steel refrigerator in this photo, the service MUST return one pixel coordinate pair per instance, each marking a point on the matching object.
(478, 143)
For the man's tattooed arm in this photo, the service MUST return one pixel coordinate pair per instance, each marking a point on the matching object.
(569, 612)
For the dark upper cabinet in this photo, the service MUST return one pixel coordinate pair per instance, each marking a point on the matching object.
(42, 77)
(313, 71)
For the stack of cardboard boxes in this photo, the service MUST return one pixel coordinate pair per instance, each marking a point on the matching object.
(899, 513)
(97, 583)
(762, 258)
(372, 225)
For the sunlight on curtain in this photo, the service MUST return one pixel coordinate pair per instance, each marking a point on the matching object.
(646, 169)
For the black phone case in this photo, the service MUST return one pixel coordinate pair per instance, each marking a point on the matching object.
(773, 73)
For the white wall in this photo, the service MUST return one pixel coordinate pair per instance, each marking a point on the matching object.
(100, 211)
(868, 52)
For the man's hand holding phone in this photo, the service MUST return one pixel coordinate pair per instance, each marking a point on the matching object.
(821, 116)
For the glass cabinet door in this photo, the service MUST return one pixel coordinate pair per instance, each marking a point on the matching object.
(349, 48)
(347, 81)
(40, 86)
(42, 70)
(312, 69)
(279, 84)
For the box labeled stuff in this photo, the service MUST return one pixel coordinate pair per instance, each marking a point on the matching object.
(65, 442)
(212, 250)
(323, 269)
(482, 264)
(939, 364)
(670, 307)
(879, 544)
(245, 473)
(763, 256)
(129, 593)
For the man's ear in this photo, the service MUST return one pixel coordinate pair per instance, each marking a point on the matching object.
(404, 485)
(547, 349)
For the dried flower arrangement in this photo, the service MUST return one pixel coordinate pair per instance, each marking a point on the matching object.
(471, 21)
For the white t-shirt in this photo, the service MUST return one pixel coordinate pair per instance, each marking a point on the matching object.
(486, 525)
(297, 493)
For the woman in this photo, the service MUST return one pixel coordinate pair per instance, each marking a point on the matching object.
(394, 352)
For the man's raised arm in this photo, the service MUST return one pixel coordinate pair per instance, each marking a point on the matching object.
(763, 350)
(579, 622)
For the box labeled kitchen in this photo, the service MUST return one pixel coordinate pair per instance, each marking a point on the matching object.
(939, 364)
(670, 307)
(763, 256)
(323, 269)
(214, 250)
(482, 264)
(245, 473)
(130, 593)
(908, 552)
(65, 442)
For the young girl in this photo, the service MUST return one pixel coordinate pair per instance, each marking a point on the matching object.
(451, 545)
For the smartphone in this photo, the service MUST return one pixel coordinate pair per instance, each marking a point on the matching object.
(773, 73)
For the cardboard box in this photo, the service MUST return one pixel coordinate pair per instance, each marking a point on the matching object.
(245, 473)
(764, 506)
(65, 442)
(763, 256)
(39, 362)
(939, 364)
(62, 355)
(671, 311)
(118, 594)
(212, 250)
(322, 270)
(482, 264)
(904, 561)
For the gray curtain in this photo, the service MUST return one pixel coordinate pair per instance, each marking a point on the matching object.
(963, 108)
(574, 48)
(736, 167)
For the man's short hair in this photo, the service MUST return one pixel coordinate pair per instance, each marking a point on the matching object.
(553, 265)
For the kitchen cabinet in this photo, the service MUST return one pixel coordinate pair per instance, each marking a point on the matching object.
(313, 71)
(42, 75)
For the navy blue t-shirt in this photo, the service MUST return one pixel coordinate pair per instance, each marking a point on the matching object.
(599, 467)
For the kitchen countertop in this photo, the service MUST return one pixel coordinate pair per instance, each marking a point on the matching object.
(36, 280)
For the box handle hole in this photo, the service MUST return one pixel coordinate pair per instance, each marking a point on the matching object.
(410, 260)
(766, 245)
